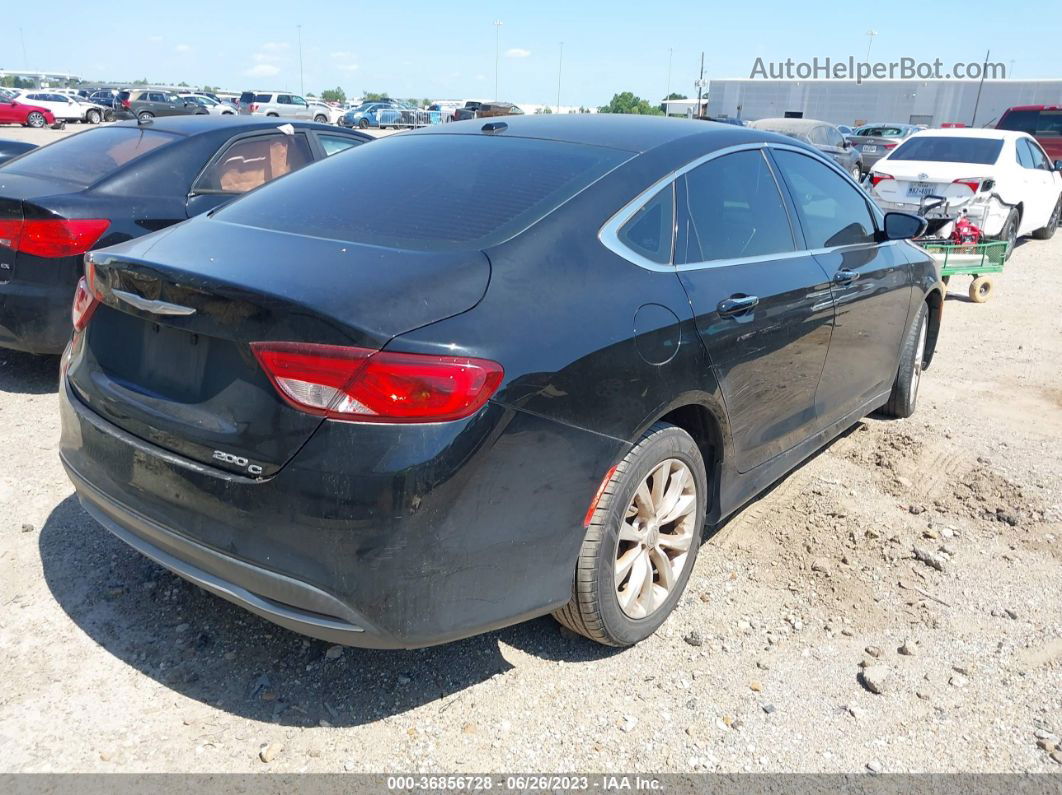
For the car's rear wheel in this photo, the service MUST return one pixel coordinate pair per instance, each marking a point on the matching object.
(36, 119)
(144, 116)
(857, 173)
(93, 117)
(1009, 233)
(1047, 232)
(273, 115)
(642, 541)
(904, 395)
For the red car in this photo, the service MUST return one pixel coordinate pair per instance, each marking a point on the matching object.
(12, 112)
(1042, 122)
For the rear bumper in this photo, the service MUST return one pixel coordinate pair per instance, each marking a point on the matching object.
(35, 317)
(375, 536)
(987, 211)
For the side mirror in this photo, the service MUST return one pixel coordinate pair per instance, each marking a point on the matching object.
(1058, 165)
(904, 226)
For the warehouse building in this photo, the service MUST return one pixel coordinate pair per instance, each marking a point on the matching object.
(929, 102)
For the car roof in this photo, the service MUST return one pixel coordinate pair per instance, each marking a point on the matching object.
(1034, 107)
(629, 132)
(971, 132)
(201, 123)
(794, 125)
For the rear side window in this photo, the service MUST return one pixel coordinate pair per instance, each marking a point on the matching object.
(251, 162)
(950, 149)
(1025, 157)
(247, 96)
(650, 231)
(265, 98)
(832, 211)
(736, 210)
(89, 156)
(428, 191)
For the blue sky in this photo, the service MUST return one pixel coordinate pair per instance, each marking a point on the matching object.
(447, 49)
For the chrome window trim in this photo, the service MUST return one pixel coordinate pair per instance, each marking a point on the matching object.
(609, 232)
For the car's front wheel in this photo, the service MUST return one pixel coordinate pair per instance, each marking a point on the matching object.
(144, 117)
(93, 117)
(904, 395)
(642, 540)
(363, 124)
(36, 119)
(320, 118)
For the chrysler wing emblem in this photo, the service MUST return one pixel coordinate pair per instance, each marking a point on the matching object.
(154, 307)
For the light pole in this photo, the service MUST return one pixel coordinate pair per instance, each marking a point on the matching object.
(870, 35)
(302, 86)
(560, 68)
(497, 53)
(669, 54)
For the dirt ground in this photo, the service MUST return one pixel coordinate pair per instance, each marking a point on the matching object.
(109, 663)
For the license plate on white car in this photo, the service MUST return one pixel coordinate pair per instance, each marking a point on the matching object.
(920, 189)
(869, 149)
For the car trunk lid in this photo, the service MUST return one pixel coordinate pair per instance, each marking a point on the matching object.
(912, 180)
(167, 354)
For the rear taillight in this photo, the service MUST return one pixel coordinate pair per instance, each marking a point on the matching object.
(973, 183)
(876, 178)
(85, 303)
(125, 104)
(253, 107)
(52, 237)
(889, 146)
(362, 385)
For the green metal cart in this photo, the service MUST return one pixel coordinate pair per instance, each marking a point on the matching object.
(970, 259)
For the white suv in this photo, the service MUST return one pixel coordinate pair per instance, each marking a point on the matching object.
(274, 103)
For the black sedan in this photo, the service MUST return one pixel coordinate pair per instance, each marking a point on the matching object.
(402, 421)
(823, 136)
(111, 184)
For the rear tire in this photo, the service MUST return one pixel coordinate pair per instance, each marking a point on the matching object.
(904, 397)
(1047, 232)
(646, 529)
(1009, 233)
(36, 120)
(857, 174)
(272, 116)
(981, 289)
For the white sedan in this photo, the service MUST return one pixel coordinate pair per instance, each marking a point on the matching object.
(64, 108)
(1002, 180)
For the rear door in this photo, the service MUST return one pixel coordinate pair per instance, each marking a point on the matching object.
(762, 303)
(1041, 184)
(871, 282)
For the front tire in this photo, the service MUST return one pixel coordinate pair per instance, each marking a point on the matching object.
(320, 119)
(363, 124)
(93, 117)
(642, 541)
(144, 117)
(36, 120)
(904, 397)
(1047, 232)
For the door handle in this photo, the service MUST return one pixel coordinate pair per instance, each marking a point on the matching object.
(845, 277)
(737, 304)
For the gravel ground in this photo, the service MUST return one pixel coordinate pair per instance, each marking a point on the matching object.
(892, 605)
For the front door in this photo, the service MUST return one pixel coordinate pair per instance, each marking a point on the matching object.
(762, 304)
(871, 283)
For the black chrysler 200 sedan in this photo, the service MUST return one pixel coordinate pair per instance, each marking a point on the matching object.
(460, 404)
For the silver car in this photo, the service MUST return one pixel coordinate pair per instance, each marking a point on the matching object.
(275, 103)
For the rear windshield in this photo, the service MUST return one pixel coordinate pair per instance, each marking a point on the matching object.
(881, 132)
(247, 96)
(89, 156)
(950, 149)
(427, 191)
(1041, 123)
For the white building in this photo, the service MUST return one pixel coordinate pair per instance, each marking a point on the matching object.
(929, 102)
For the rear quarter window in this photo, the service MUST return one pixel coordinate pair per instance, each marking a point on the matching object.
(435, 191)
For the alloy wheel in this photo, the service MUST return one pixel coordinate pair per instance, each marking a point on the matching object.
(655, 538)
(36, 119)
